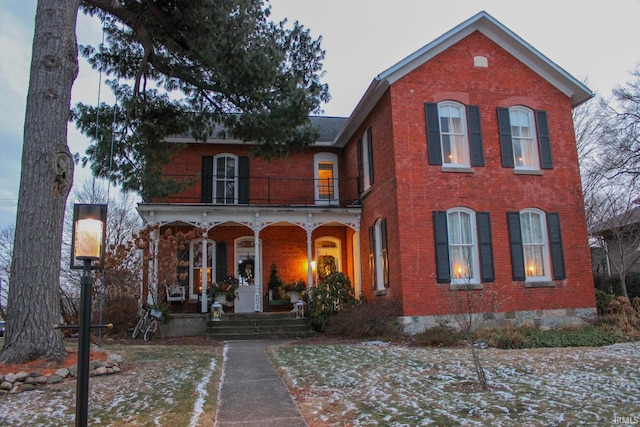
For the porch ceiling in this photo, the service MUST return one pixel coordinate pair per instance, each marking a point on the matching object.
(255, 217)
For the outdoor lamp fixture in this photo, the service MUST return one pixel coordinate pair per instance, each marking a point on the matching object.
(216, 311)
(87, 245)
(299, 309)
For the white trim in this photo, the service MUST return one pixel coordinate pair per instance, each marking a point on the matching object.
(323, 158)
(546, 258)
(475, 263)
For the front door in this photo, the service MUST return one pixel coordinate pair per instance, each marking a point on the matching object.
(245, 256)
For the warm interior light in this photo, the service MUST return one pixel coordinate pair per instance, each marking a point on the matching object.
(313, 266)
(88, 239)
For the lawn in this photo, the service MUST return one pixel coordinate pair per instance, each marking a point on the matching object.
(164, 385)
(379, 384)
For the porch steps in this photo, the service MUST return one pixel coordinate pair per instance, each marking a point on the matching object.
(249, 326)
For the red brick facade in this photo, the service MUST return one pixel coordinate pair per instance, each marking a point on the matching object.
(407, 189)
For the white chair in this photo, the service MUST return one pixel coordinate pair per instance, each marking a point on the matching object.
(175, 294)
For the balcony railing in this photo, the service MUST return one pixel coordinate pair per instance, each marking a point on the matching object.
(273, 191)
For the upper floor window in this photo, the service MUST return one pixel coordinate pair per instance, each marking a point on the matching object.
(454, 136)
(365, 161)
(225, 174)
(524, 139)
(326, 178)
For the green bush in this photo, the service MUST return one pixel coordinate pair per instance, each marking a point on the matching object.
(603, 299)
(443, 335)
(329, 297)
(366, 320)
(579, 337)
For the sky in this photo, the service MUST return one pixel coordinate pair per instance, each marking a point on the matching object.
(590, 39)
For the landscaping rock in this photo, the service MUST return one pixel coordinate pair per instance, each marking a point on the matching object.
(54, 379)
(64, 373)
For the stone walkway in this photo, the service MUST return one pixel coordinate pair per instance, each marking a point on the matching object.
(251, 392)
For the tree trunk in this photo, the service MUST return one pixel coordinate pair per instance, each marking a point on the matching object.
(45, 181)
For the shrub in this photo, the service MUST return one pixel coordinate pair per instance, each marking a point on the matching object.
(505, 338)
(366, 320)
(603, 299)
(329, 297)
(443, 335)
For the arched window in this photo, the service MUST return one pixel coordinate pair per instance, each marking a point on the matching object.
(463, 246)
(453, 134)
(523, 137)
(225, 177)
(535, 246)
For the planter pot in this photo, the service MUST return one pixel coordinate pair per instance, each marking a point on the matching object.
(221, 298)
(294, 296)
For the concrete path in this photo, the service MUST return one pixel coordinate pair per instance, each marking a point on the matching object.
(251, 392)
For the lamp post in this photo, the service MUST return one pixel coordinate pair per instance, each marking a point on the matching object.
(87, 245)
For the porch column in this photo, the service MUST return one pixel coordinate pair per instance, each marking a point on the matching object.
(309, 255)
(205, 276)
(152, 292)
(357, 260)
(257, 264)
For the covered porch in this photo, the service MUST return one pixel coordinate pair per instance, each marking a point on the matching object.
(248, 242)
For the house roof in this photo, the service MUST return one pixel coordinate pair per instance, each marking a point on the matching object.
(492, 29)
(328, 128)
(627, 220)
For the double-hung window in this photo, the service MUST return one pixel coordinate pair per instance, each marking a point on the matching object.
(225, 179)
(463, 246)
(379, 255)
(365, 161)
(536, 246)
(524, 139)
(463, 249)
(454, 136)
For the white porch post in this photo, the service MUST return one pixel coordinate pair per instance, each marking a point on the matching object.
(205, 276)
(357, 258)
(257, 264)
(152, 292)
(309, 254)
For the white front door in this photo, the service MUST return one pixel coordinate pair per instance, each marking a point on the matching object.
(245, 255)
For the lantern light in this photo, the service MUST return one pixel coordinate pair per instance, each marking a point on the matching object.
(89, 234)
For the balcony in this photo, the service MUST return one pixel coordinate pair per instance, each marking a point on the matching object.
(269, 191)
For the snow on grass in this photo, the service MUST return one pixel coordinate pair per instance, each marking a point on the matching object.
(157, 390)
(398, 386)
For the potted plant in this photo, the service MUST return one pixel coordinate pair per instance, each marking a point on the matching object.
(275, 283)
(295, 290)
(226, 290)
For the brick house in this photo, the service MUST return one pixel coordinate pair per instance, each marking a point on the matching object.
(458, 168)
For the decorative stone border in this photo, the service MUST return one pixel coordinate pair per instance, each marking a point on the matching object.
(24, 381)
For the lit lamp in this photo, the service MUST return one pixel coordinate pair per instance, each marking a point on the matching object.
(216, 311)
(87, 245)
(299, 309)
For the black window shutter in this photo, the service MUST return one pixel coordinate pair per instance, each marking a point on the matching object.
(360, 172)
(475, 135)
(370, 153)
(486, 247)
(207, 179)
(506, 145)
(515, 241)
(221, 261)
(441, 235)
(372, 256)
(385, 252)
(544, 142)
(243, 180)
(433, 134)
(555, 244)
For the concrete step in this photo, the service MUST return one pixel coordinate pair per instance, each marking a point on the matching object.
(259, 326)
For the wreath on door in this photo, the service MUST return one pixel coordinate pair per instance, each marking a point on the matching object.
(326, 266)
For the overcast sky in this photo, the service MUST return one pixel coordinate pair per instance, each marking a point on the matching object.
(592, 39)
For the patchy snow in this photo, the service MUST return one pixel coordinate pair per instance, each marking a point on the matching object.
(201, 391)
(337, 385)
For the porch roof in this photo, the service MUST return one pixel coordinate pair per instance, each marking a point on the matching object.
(255, 217)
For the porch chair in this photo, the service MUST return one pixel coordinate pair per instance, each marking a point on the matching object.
(175, 293)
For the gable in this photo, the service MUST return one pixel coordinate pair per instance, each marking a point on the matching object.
(493, 30)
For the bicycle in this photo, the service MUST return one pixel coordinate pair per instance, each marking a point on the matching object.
(148, 323)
